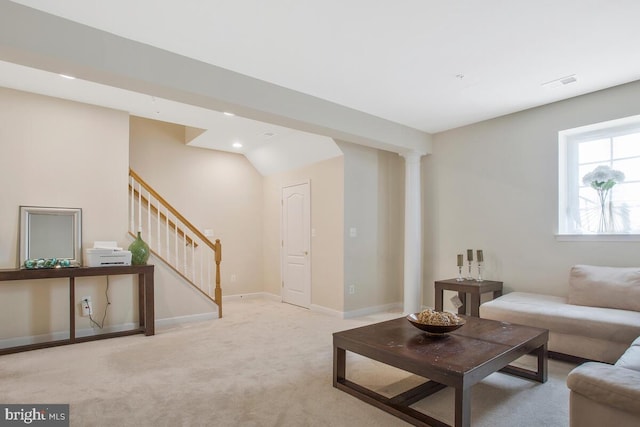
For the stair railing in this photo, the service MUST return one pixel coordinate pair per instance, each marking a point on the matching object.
(175, 240)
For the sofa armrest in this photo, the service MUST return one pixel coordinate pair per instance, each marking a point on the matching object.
(608, 385)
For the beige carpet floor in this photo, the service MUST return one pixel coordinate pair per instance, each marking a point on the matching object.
(263, 364)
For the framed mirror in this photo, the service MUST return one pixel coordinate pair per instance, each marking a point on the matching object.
(50, 233)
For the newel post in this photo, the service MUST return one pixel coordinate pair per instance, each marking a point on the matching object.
(218, 290)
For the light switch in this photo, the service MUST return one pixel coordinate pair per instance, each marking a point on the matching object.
(353, 232)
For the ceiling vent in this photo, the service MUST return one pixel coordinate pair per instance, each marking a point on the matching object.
(562, 81)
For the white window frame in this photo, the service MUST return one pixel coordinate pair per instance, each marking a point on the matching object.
(568, 176)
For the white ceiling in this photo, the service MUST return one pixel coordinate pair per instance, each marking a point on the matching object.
(224, 130)
(430, 65)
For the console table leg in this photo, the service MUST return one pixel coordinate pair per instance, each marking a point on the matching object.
(150, 321)
(141, 303)
(72, 309)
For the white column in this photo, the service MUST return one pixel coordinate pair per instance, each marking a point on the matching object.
(412, 234)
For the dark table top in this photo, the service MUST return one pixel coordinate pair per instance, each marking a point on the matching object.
(480, 345)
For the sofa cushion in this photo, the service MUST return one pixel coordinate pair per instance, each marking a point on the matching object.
(631, 358)
(553, 313)
(611, 287)
(607, 384)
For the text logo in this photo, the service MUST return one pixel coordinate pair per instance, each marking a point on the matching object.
(54, 415)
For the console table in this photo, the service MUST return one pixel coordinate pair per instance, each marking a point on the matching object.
(145, 299)
(464, 287)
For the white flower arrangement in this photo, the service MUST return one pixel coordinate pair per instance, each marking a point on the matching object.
(602, 179)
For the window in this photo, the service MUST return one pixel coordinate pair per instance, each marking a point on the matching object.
(599, 179)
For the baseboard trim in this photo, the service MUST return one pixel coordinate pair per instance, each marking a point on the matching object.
(328, 311)
(356, 313)
(200, 317)
(318, 308)
(64, 335)
(33, 339)
(86, 332)
(372, 310)
(253, 295)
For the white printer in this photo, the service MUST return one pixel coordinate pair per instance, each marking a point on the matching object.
(104, 254)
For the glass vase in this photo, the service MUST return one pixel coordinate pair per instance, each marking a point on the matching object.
(605, 225)
(139, 251)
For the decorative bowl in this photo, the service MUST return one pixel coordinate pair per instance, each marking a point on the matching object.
(433, 329)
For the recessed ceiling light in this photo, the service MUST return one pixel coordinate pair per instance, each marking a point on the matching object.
(226, 113)
(237, 145)
(65, 76)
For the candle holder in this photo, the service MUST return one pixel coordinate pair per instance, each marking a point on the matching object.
(479, 279)
(470, 277)
(460, 278)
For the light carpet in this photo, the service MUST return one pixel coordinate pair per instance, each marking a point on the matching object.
(263, 364)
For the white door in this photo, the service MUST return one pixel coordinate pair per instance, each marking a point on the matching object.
(296, 260)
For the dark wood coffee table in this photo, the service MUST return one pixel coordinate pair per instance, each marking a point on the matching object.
(459, 360)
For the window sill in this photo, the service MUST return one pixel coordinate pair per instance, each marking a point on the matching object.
(598, 237)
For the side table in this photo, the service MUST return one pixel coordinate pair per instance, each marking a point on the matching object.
(476, 289)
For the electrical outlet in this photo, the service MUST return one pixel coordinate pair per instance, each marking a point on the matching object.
(352, 289)
(87, 307)
(233, 278)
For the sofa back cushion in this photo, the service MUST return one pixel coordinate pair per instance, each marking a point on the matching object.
(611, 287)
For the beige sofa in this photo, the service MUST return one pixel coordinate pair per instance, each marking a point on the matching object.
(606, 395)
(597, 320)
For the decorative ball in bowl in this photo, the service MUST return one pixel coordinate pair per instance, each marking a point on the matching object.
(436, 322)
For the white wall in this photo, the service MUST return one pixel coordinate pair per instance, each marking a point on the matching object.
(374, 207)
(327, 212)
(66, 154)
(61, 154)
(366, 186)
(212, 190)
(494, 186)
